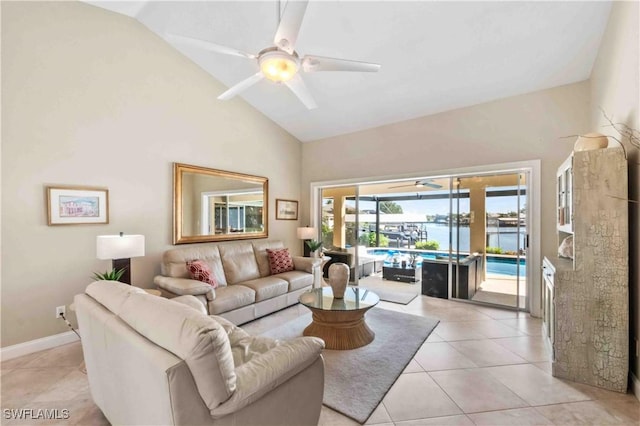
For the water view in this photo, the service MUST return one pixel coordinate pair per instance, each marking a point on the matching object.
(506, 238)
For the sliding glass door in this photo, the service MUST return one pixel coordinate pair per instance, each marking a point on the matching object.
(459, 236)
(489, 233)
(462, 262)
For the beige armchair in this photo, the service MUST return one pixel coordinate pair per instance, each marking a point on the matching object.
(152, 360)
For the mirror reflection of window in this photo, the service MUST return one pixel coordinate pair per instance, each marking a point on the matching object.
(232, 213)
(214, 205)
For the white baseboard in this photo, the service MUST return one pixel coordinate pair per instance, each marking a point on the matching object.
(635, 385)
(37, 345)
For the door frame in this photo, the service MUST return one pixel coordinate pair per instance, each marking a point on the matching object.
(533, 219)
(528, 225)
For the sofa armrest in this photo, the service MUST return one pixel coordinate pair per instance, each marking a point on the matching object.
(192, 302)
(269, 370)
(306, 264)
(184, 286)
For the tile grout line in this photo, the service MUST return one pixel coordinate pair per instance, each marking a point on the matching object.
(507, 387)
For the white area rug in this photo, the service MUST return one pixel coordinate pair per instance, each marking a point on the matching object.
(358, 379)
(394, 296)
(391, 291)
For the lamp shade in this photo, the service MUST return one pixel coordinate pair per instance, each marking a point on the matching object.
(307, 233)
(119, 246)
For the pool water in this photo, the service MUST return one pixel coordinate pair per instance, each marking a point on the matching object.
(506, 266)
(495, 265)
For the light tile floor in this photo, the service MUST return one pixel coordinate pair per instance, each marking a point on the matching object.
(481, 366)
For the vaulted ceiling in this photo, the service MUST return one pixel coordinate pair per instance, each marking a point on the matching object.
(435, 55)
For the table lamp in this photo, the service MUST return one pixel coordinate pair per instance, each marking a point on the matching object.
(307, 233)
(120, 249)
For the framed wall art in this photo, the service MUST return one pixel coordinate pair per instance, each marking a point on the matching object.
(75, 205)
(286, 209)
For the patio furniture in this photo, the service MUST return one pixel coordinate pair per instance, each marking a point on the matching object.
(398, 273)
(367, 265)
(435, 277)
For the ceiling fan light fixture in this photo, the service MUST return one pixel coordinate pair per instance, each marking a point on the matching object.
(278, 66)
(280, 62)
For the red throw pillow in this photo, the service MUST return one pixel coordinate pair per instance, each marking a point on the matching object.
(200, 271)
(280, 260)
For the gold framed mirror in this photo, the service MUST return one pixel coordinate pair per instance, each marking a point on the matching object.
(217, 205)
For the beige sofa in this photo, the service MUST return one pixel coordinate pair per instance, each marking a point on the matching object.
(156, 361)
(246, 289)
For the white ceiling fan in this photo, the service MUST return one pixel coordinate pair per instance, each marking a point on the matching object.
(280, 63)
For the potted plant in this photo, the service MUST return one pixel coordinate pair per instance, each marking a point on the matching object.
(314, 246)
(112, 275)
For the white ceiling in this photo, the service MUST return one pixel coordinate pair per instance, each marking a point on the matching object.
(435, 56)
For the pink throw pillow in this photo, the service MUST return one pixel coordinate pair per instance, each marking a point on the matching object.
(280, 260)
(200, 271)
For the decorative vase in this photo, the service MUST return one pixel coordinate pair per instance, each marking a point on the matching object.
(338, 279)
(590, 141)
(315, 254)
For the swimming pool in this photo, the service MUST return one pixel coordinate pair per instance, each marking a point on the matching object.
(506, 266)
(496, 264)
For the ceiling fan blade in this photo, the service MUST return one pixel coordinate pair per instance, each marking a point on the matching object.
(212, 47)
(319, 63)
(402, 186)
(243, 85)
(290, 22)
(297, 86)
(428, 183)
(432, 185)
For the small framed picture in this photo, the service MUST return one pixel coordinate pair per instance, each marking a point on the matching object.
(286, 209)
(74, 205)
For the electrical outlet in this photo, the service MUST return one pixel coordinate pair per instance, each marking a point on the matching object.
(60, 310)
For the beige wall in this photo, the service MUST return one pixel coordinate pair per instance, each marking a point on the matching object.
(519, 128)
(94, 98)
(615, 87)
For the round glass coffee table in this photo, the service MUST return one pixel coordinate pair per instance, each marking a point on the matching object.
(340, 322)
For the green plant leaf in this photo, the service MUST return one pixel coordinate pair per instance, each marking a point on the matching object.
(314, 245)
(112, 275)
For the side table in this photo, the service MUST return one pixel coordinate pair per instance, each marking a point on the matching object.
(340, 322)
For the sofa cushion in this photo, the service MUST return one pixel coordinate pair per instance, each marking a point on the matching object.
(174, 261)
(231, 297)
(246, 348)
(260, 250)
(267, 287)
(233, 331)
(296, 279)
(200, 270)
(239, 262)
(280, 260)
